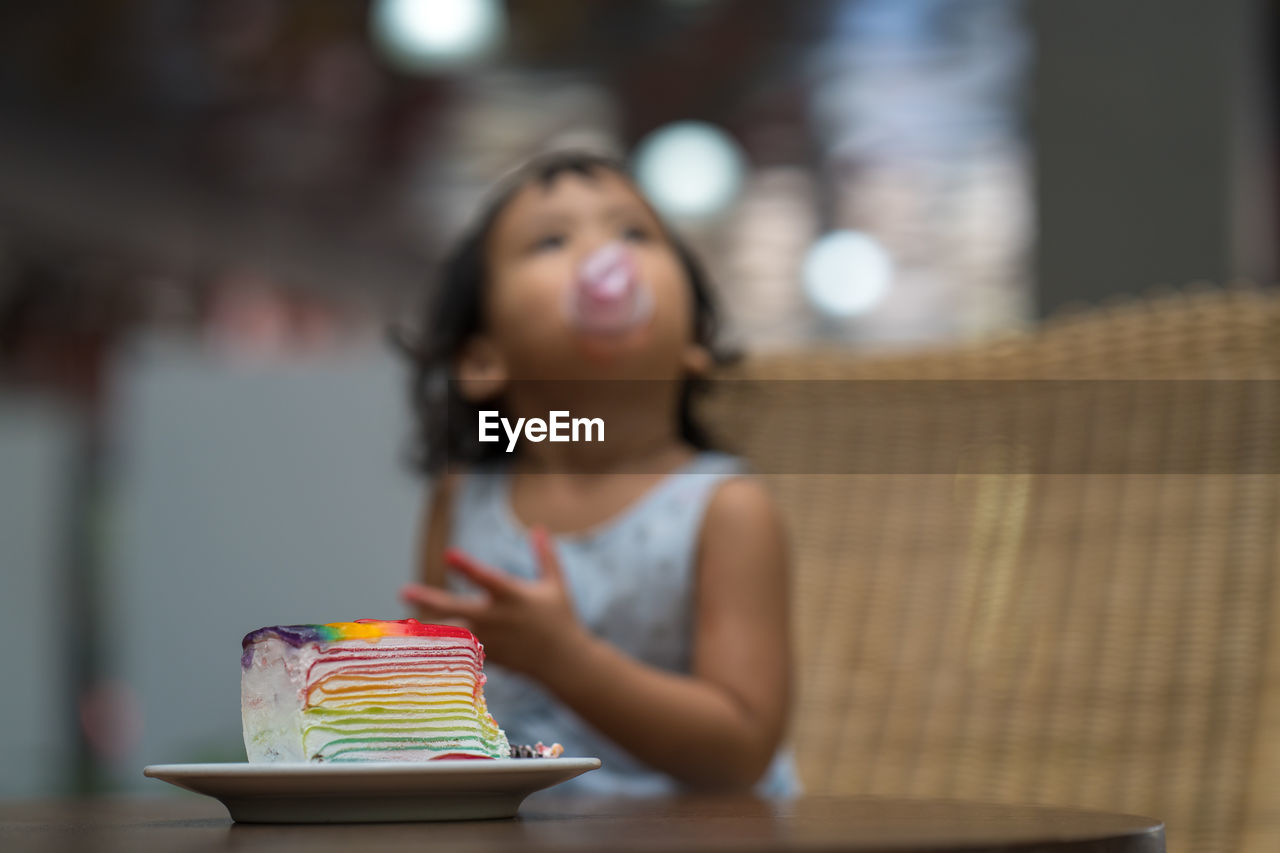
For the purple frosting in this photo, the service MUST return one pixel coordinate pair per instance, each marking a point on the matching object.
(295, 635)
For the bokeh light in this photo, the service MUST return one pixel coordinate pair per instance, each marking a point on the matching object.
(690, 169)
(846, 273)
(112, 719)
(427, 35)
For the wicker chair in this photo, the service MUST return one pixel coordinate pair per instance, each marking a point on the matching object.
(1053, 582)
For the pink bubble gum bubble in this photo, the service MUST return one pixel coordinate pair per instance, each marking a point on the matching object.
(607, 296)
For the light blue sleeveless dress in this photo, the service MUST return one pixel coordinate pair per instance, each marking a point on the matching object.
(632, 583)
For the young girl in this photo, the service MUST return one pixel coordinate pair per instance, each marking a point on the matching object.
(631, 594)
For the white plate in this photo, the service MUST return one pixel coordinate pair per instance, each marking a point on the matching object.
(369, 791)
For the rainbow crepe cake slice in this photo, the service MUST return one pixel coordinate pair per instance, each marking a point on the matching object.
(366, 691)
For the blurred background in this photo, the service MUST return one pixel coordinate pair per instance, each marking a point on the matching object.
(211, 212)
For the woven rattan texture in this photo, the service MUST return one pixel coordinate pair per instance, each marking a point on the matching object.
(1030, 591)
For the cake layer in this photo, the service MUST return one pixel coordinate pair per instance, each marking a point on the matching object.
(365, 690)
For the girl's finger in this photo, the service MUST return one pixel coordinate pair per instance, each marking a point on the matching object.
(441, 603)
(493, 581)
(545, 552)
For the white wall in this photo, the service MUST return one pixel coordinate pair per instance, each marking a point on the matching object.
(249, 494)
(36, 446)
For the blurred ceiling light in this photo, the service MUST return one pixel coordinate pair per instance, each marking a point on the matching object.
(429, 35)
(846, 273)
(690, 169)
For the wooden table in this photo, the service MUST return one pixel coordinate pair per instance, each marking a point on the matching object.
(547, 823)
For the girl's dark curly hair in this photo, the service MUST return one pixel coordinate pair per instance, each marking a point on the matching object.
(446, 422)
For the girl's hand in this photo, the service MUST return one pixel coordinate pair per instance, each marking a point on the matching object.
(524, 625)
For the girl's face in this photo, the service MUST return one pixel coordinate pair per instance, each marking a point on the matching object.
(535, 249)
